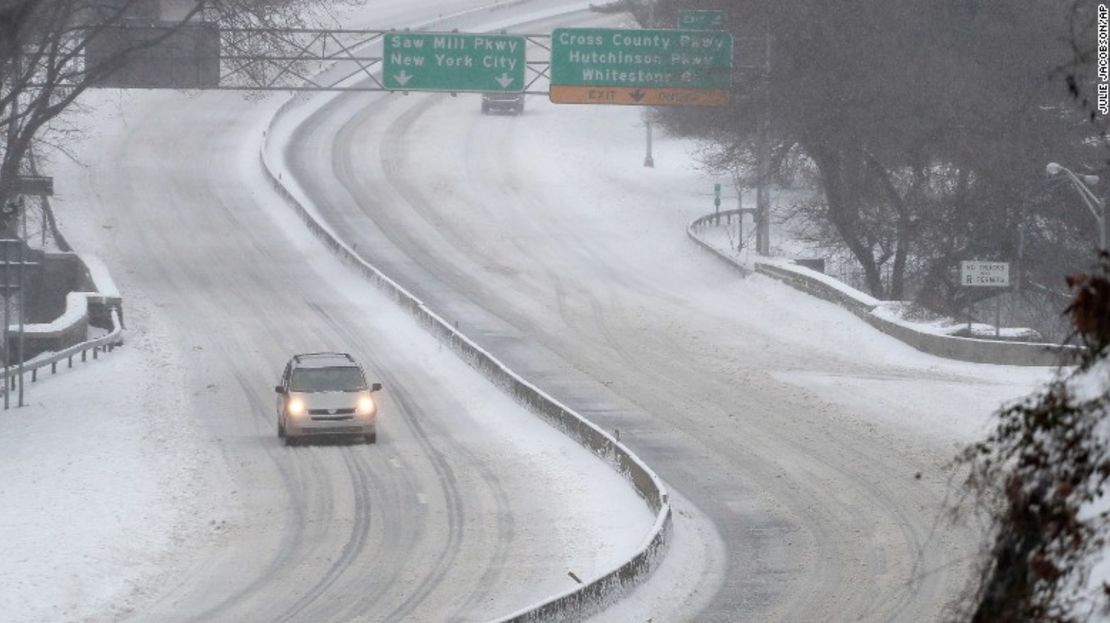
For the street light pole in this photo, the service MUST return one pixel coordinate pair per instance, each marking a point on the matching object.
(649, 160)
(1094, 204)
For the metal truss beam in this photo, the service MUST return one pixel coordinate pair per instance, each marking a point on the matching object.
(306, 59)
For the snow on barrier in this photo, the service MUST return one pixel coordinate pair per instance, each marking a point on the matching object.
(869, 309)
(596, 593)
(94, 305)
(105, 343)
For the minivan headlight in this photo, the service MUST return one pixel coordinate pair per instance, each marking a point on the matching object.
(365, 405)
(296, 407)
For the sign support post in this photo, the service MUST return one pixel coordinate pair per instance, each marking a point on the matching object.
(998, 315)
(739, 215)
(7, 320)
(716, 204)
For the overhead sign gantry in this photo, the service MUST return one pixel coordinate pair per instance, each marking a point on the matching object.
(649, 67)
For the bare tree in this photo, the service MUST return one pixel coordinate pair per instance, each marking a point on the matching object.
(46, 61)
(43, 68)
(929, 125)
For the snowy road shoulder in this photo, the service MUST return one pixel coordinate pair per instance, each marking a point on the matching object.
(99, 474)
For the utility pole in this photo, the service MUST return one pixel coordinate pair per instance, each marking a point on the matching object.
(22, 310)
(763, 165)
(13, 135)
(649, 161)
(7, 319)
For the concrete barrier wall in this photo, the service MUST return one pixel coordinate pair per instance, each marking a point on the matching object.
(705, 221)
(816, 288)
(92, 303)
(977, 351)
(69, 329)
(862, 305)
(581, 602)
(103, 296)
(61, 274)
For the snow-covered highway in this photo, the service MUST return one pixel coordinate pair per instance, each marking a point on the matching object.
(804, 450)
(798, 430)
(468, 508)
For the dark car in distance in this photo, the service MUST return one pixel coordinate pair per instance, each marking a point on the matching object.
(510, 102)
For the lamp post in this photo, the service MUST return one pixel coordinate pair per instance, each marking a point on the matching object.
(1097, 206)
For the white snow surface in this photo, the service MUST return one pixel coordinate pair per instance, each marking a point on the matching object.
(1090, 385)
(128, 478)
(157, 488)
(99, 478)
(840, 286)
(106, 478)
(723, 238)
(551, 219)
(100, 275)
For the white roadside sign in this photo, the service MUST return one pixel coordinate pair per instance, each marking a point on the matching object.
(989, 274)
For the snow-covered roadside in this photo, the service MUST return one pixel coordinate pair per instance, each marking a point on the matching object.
(722, 237)
(96, 477)
(638, 217)
(99, 474)
(1093, 384)
(135, 482)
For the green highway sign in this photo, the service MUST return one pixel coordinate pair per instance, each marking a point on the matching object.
(645, 67)
(449, 61)
(701, 20)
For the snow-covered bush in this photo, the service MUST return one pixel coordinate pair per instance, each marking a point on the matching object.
(1041, 476)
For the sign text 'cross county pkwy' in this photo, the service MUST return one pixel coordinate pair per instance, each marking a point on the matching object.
(414, 61)
(646, 67)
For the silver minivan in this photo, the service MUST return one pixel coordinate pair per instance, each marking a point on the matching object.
(325, 394)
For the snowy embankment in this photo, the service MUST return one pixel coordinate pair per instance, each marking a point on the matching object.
(1086, 387)
(935, 337)
(95, 478)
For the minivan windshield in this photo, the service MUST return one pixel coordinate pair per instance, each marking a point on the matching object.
(339, 379)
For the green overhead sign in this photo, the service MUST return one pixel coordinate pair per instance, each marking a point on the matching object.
(701, 20)
(641, 58)
(424, 61)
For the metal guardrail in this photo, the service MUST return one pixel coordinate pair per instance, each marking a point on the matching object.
(105, 343)
(582, 601)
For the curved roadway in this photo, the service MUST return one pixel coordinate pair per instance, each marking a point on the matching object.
(466, 509)
(807, 438)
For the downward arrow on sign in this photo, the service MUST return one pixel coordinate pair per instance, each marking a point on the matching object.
(504, 80)
(638, 95)
(402, 78)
